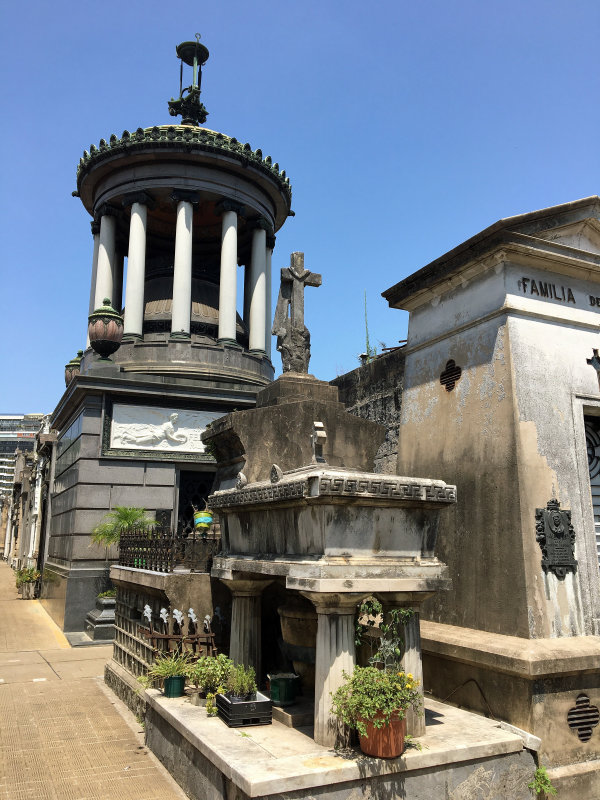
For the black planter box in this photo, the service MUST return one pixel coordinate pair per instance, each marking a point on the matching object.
(239, 713)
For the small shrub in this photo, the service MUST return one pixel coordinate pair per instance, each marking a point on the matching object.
(108, 593)
(209, 672)
(241, 680)
(26, 575)
(541, 784)
(169, 665)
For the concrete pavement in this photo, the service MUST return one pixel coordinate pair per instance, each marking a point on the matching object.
(63, 734)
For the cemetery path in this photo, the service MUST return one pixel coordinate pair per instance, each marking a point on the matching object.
(63, 734)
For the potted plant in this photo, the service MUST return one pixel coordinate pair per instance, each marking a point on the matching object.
(241, 704)
(375, 698)
(171, 669)
(374, 702)
(241, 683)
(208, 674)
(25, 580)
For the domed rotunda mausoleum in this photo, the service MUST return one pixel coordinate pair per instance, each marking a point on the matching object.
(187, 206)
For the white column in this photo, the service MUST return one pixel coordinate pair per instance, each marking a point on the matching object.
(335, 655)
(246, 623)
(117, 296)
(106, 260)
(268, 309)
(96, 234)
(182, 273)
(136, 272)
(258, 290)
(228, 279)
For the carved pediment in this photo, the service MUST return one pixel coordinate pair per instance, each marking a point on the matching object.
(582, 235)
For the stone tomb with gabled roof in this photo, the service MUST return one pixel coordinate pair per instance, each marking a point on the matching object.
(501, 395)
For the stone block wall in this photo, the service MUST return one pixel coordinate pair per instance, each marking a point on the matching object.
(373, 391)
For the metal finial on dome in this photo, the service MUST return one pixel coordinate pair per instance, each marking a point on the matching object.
(188, 104)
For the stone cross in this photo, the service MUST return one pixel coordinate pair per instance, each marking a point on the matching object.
(293, 338)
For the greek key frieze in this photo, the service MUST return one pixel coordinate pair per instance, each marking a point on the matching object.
(386, 488)
(258, 494)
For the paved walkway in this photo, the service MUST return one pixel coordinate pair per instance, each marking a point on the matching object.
(63, 734)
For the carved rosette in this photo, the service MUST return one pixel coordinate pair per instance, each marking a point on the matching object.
(105, 330)
(73, 367)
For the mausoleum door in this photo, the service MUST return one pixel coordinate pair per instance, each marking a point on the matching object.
(194, 488)
(592, 436)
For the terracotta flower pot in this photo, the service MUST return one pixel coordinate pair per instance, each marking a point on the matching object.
(384, 742)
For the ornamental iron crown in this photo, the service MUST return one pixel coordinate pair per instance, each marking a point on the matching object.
(188, 105)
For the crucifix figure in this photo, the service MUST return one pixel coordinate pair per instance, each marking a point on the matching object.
(293, 338)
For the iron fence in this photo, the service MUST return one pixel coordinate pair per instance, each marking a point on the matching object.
(163, 550)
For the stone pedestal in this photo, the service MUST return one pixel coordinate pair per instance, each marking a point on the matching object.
(100, 622)
(245, 642)
(335, 655)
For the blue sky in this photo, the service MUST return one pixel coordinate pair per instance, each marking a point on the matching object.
(404, 129)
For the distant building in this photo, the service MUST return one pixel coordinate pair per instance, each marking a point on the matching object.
(17, 432)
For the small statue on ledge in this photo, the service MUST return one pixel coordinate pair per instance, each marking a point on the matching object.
(293, 337)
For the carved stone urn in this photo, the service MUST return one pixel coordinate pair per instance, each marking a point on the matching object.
(73, 367)
(105, 330)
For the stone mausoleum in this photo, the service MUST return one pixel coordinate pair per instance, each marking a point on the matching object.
(194, 213)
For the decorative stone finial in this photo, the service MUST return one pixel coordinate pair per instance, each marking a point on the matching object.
(105, 330)
(188, 104)
(73, 367)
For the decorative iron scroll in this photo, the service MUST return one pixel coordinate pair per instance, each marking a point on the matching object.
(556, 537)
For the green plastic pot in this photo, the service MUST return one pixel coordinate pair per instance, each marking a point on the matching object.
(283, 689)
(174, 686)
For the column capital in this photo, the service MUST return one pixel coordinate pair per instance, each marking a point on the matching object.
(270, 241)
(141, 197)
(186, 196)
(246, 587)
(260, 223)
(229, 205)
(107, 210)
(341, 603)
(95, 226)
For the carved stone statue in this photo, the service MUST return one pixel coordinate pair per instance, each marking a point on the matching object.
(293, 337)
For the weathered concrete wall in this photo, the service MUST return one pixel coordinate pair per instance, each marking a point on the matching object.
(374, 391)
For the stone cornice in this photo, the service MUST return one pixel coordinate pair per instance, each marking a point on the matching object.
(328, 484)
(176, 136)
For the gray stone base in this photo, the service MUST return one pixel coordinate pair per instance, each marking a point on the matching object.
(126, 688)
(463, 756)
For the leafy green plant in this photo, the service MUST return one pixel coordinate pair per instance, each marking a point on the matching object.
(541, 785)
(209, 672)
(26, 575)
(375, 695)
(387, 649)
(211, 709)
(169, 665)
(108, 593)
(121, 519)
(241, 681)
